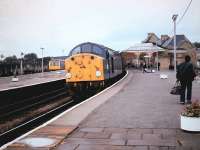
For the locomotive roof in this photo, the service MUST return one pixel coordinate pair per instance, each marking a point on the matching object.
(102, 47)
(59, 58)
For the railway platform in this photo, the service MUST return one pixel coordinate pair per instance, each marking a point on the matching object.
(6, 83)
(137, 113)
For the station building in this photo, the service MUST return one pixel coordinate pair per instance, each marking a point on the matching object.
(160, 50)
(141, 53)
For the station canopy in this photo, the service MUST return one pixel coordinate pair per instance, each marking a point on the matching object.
(144, 47)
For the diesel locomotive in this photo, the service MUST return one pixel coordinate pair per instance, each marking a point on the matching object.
(90, 64)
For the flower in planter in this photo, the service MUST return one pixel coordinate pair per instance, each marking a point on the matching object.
(192, 110)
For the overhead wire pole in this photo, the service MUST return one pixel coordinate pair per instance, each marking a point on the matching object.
(181, 18)
(42, 59)
(157, 55)
(21, 63)
(174, 17)
(157, 60)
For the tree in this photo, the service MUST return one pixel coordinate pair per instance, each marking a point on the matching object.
(12, 62)
(1, 56)
(11, 59)
(196, 44)
(30, 57)
(46, 60)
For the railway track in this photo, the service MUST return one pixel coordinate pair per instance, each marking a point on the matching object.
(60, 101)
(26, 104)
(28, 125)
(27, 108)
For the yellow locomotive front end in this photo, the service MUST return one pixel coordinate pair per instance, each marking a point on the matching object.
(84, 67)
(91, 65)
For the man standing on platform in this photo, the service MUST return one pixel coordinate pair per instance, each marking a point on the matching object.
(186, 74)
(158, 66)
(144, 67)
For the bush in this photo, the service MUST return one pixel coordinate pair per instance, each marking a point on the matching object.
(192, 110)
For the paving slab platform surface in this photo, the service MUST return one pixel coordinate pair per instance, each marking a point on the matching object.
(141, 116)
(30, 79)
(136, 114)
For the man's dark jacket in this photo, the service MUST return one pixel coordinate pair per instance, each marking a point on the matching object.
(185, 72)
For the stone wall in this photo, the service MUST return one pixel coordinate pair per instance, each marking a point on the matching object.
(164, 62)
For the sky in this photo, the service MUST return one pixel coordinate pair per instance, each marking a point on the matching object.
(59, 25)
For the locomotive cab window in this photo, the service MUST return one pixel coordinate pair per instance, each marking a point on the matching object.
(54, 63)
(86, 48)
(62, 64)
(76, 50)
(51, 63)
(90, 48)
(99, 51)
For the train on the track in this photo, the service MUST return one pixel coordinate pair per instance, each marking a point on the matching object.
(57, 63)
(90, 64)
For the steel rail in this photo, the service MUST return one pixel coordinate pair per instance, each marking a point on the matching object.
(23, 104)
(38, 118)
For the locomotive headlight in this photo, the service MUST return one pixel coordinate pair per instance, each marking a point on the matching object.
(68, 75)
(98, 73)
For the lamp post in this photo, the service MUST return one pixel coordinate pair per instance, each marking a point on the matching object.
(21, 63)
(174, 17)
(157, 60)
(157, 55)
(42, 59)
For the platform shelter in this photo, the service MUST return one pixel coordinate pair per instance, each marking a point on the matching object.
(137, 54)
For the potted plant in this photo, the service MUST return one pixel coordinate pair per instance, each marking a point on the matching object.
(190, 117)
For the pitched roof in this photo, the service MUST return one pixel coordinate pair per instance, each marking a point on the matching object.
(162, 40)
(59, 57)
(144, 47)
(180, 40)
(151, 38)
(182, 43)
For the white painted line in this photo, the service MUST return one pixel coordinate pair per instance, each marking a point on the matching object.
(65, 112)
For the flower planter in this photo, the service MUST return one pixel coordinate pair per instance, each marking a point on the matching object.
(190, 123)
